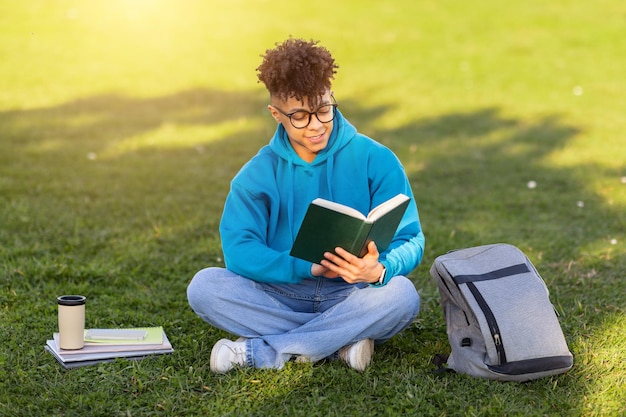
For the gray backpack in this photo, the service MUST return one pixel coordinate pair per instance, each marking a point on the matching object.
(500, 322)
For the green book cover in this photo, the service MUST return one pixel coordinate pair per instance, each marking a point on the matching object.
(328, 225)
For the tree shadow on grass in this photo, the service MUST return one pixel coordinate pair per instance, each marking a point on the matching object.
(86, 184)
(96, 156)
(481, 177)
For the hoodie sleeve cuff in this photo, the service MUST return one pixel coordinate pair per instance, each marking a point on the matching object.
(302, 268)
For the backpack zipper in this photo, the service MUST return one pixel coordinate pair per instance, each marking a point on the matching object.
(491, 321)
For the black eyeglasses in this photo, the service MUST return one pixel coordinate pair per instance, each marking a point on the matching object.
(301, 118)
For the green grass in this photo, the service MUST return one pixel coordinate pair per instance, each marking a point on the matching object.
(122, 123)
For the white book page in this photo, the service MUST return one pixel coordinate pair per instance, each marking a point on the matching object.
(384, 208)
(339, 208)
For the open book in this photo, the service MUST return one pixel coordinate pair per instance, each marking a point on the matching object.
(328, 225)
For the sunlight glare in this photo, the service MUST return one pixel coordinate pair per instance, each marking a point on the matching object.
(173, 136)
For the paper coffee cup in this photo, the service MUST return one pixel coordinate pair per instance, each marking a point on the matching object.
(71, 321)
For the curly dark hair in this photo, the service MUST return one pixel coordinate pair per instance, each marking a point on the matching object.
(297, 68)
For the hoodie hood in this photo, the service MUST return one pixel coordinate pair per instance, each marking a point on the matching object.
(291, 168)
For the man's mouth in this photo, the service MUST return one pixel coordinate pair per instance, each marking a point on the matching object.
(316, 138)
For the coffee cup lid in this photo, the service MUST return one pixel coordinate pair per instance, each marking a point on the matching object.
(71, 300)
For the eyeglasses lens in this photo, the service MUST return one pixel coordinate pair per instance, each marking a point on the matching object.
(302, 119)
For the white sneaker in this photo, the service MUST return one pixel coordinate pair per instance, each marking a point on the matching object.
(358, 355)
(227, 354)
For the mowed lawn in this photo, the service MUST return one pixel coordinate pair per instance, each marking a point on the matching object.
(123, 121)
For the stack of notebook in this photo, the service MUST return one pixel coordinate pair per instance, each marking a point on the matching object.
(105, 345)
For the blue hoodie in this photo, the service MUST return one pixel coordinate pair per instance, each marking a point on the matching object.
(271, 193)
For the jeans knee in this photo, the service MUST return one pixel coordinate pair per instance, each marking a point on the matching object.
(199, 288)
(406, 296)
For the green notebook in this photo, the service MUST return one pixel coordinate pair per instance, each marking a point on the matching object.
(328, 225)
(136, 336)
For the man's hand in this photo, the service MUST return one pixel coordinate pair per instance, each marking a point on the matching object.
(349, 267)
(318, 271)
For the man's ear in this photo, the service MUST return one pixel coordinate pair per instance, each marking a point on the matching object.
(275, 114)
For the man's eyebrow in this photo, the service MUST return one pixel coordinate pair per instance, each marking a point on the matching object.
(323, 102)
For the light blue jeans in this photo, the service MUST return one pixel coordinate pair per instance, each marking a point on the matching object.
(313, 319)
